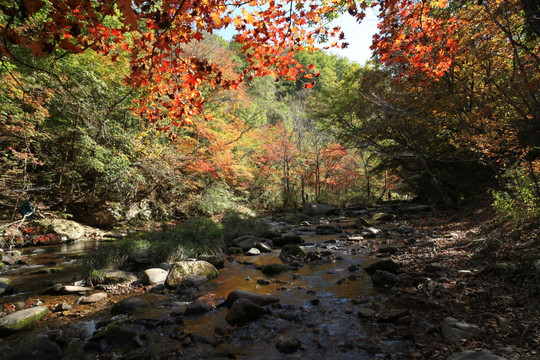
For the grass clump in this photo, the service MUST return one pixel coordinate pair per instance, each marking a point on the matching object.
(198, 236)
(235, 226)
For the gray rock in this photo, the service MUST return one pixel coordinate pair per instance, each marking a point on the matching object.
(274, 269)
(264, 247)
(474, 355)
(291, 253)
(67, 229)
(154, 276)
(242, 311)
(366, 313)
(113, 276)
(258, 299)
(454, 330)
(22, 319)
(381, 277)
(253, 252)
(198, 307)
(185, 274)
(11, 257)
(247, 242)
(72, 289)
(216, 260)
(94, 298)
(287, 344)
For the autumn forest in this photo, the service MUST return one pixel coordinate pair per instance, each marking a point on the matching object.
(133, 113)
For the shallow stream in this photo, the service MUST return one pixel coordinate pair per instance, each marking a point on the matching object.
(316, 307)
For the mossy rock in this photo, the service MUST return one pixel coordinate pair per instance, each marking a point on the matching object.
(65, 228)
(291, 252)
(185, 274)
(47, 271)
(22, 319)
(113, 276)
(274, 269)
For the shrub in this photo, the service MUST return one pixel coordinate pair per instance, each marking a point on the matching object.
(235, 226)
(519, 202)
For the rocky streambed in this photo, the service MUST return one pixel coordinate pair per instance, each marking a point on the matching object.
(328, 288)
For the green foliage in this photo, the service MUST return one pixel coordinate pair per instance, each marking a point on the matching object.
(519, 202)
(234, 226)
(216, 199)
(197, 236)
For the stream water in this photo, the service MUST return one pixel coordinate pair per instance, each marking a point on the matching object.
(318, 307)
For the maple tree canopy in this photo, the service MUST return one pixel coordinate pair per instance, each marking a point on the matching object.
(154, 33)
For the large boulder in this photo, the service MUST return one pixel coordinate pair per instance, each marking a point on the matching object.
(292, 252)
(453, 330)
(22, 319)
(105, 215)
(259, 299)
(10, 257)
(243, 310)
(314, 209)
(185, 274)
(65, 229)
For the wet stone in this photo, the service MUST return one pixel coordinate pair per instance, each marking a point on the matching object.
(94, 298)
(259, 299)
(22, 319)
(242, 311)
(128, 306)
(366, 313)
(454, 330)
(287, 345)
(62, 307)
(253, 252)
(274, 269)
(154, 276)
